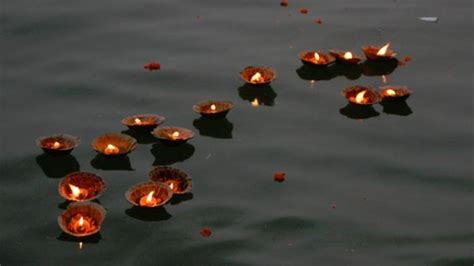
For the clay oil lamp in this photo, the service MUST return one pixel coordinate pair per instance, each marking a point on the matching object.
(81, 186)
(173, 135)
(149, 194)
(315, 58)
(379, 53)
(345, 57)
(394, 93)
(114, 144)
(178, 181)
(258, 75)
(60, 144)
(213, 109)
(82, 219)
(143, 122)
(361, 95)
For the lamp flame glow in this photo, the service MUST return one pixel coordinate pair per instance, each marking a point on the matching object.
(360, 97)
(257, 78)
(382, 51)
(348, 55)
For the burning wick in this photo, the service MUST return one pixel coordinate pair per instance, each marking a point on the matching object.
(255, 102)
(390, 92)
(77, 192)
(172, 186)
(138, 121)
(213, 107)
(382, 51)
(82, 225)
(56, 145)
(175, 135)
(360, 97)
(348, 55)
(149, 200)
(316, 57)
(257, 78)
(111, 149)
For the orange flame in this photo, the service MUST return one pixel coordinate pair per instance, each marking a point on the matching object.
(171, 185)
(257, 78)
(75, 190)
(384, 79)
(56, 145)
(382, 51)
(111, 149)
(81, 221)
(316, 56)
(348, 55)
(138, 121)
(213, 107)
(149, 197)
(80, 245)
(175, 135)
(255, 102)
(391, 92)
(360, 97)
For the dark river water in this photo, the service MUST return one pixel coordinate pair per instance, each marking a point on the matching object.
(400, 178)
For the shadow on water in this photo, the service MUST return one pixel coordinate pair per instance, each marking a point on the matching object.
(169, 154)
(179, 198)
(95, 238)
(265, 95)
(358, 112)
(350, 71)
(148, 214)
(142, 136)
(102, 162)
(216, 128)
(396, 108)
(63, 205)
(57, 166)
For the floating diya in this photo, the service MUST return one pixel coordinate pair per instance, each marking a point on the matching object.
(316, 58)
(394, 93)
(213, 109)
(258, 75)
(345, 57)
(82, 219)
(361, 95)
(178, 181)
(59, 144)
(144, 122)
(173, 135)
(81, 186)
(149, 194)
(111, 144)
(379, 53)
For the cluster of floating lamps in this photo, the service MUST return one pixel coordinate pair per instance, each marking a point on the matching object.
(84, 217)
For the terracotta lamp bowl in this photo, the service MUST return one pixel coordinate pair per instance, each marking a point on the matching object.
(343, 57)
(138, 194)
(59, 144)
(93, 216)
(81, 186)
(361, 95)
(173, 135)
(143, 122)
(114, 144)
(258, 75)
(394, 93)
(177, 180)
(371, 53)
(309, 58)
(213, 109)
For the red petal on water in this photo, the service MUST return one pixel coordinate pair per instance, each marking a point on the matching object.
(284, 3)
(279, 176)
(401, 63)
(407, 58)
(318, 21)
(206, 232)
(304, 10)
(333, 205)
(152, 66)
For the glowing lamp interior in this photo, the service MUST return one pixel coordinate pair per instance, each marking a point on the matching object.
(175, 135)
(390, 92)
(56, 145)
(111, 149)
(316, 57)
(348, 55)
(138, 121)
(213, 107)
(382, 51)
(360, 97)
(257, 78)
(148, 200)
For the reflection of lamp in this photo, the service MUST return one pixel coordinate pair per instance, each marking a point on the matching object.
(379, 68)
(396, 108)
(103, 162)
(265, 95)
(221, 128)
(170, 154)
(57, 166)
(308, 72)
(358, 111)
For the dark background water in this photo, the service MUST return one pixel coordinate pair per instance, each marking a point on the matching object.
(402, 183)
